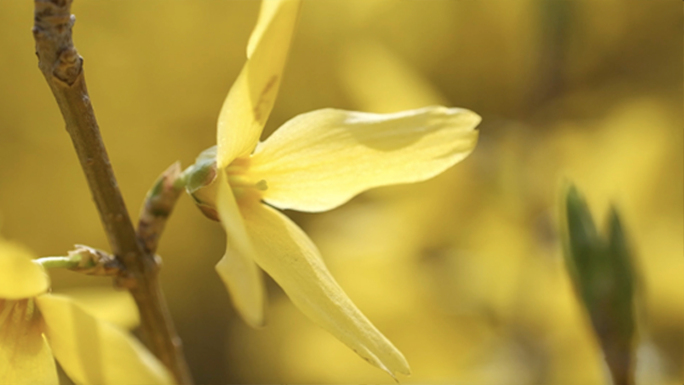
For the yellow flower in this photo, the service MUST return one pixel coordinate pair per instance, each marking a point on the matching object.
(314, 162)
(35, 325)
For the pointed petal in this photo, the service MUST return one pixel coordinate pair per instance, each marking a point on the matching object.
(25, 357)
(321, 159)
(269, 10)
(237, 269)
(93, 351)
(20, 277)
(250, 100)
(289, 256)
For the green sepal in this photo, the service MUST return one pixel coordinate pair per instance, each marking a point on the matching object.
(199, 182)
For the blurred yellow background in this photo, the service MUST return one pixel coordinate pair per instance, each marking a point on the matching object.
(464, 272)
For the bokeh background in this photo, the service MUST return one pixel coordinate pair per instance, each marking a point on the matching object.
(464, 272)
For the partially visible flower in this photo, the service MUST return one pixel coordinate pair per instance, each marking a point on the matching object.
(107, 303)
(35, 325)
(314, 162)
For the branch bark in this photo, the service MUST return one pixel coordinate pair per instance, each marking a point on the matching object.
(62, 67)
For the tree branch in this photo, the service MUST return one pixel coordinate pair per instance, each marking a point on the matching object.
(62, 67)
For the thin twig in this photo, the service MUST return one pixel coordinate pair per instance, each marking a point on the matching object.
(62, 67)
(159, 204)
(85, 260)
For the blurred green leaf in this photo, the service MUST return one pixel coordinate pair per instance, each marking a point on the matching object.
(602, 273)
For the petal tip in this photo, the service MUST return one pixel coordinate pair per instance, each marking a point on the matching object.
(466, 115)
(255, 320)
(404, 370)
(252, 313)
(403, 367)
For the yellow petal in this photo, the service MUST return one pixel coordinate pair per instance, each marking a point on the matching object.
(237, 269)
(321, 159)
(268, 11)
(289, 256)
(108, 304)
(250, 100)
(25, 357)
(93, 351)
(20, 277)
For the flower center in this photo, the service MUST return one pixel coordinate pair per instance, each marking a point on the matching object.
(242, 184)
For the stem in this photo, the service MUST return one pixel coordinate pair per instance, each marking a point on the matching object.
(86, 260)
(182, 179)
(62, 67)
(58, 262)
(159, 204)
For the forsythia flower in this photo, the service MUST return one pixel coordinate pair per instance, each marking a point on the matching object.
(314, 162)
(35, 325)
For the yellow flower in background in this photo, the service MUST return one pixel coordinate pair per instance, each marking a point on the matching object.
(314, 162)
(35, 325)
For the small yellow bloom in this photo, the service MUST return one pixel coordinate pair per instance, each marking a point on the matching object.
(35, 325)
(314, 162)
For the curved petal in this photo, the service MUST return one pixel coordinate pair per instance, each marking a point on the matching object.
(237, 269)
(289, 256)
(250, 100)
(321, 159)
(106, 303)
(93, 351)
(25, 357)
(20, 277)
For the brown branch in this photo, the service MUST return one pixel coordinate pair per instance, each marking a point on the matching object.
(62, 67)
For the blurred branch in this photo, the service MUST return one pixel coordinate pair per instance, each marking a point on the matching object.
(158, 205)
(62, 67)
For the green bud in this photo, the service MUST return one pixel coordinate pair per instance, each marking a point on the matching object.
(199, 182)
(584, 249)
(601, 271)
